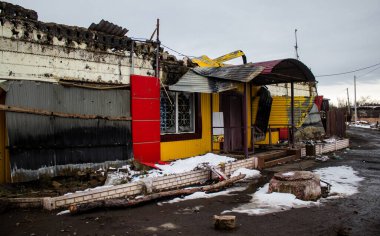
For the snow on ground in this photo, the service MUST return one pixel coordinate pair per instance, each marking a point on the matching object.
(329, 140)
(188, 164)
(63, 212)
(198, 195)
(249, 174)
(365, 126)
(263, 202)
(90, 189)
(344, 180)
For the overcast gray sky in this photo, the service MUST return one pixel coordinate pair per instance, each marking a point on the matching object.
(333, 36)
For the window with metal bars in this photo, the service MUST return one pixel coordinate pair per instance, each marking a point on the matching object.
(177, 112)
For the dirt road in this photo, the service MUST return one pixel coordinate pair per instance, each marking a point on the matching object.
(356, 215)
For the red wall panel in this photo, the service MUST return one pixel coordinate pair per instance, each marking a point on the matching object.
(146, 109)
(145, 106)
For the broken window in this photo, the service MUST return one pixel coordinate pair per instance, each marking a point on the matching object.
(177, 112)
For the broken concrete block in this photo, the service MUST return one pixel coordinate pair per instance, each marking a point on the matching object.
(226, 222)
(305, 185)
(56, 184)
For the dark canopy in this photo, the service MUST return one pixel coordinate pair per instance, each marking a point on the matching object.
(283, 71)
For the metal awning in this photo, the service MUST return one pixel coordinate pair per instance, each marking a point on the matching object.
(216, 79)
(283, 71)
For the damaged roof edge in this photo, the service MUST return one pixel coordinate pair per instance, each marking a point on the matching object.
(216, 79)
(193, 82)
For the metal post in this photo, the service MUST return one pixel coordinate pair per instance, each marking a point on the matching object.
(348, 101)
(292, 111)
(212, 121)
(132, 58)
(270, 135)
(356, 112)
(245, 138)
(252, 124)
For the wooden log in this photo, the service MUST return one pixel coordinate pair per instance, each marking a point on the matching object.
(123, 203)
(225, 222)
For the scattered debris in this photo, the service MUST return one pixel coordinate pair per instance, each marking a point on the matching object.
(305, 185)
(120, 203)
(226, 222)
(249, 173)
(322, 158)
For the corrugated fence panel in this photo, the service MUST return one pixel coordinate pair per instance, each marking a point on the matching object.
(280, 112)
(37, 141)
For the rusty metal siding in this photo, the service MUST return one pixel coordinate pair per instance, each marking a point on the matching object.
(41, 141)
(336, 123)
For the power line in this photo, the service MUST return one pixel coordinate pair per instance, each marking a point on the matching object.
(368, 72)
(348, 72)
(176, 51)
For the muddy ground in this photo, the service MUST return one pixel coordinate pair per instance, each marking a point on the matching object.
(356, 215)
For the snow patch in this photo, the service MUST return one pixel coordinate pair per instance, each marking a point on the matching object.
(189, 164)
(344, 180)
(199, 195)
(263, 202)
(90, 189)
(63, 212)
(288, 173)
(249, 174)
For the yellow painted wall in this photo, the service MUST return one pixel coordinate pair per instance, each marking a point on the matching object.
(275, 138)
(188, 148)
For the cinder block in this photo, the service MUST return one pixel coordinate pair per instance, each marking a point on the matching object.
(60, 203)
(104, 194)
(69, 201)
(78, 199)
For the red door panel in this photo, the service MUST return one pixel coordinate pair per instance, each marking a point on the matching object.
(145, 107)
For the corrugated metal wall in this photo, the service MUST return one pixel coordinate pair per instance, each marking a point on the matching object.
(40, 141)
(280, 113)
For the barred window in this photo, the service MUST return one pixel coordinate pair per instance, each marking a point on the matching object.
(177, 112)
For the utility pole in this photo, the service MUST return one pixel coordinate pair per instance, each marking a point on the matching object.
(348, 101)
(296, 46)
(158, 49)
(356, 113)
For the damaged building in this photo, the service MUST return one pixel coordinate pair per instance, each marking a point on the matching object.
(75, 98)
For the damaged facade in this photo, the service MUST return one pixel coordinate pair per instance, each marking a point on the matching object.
(74, 98)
